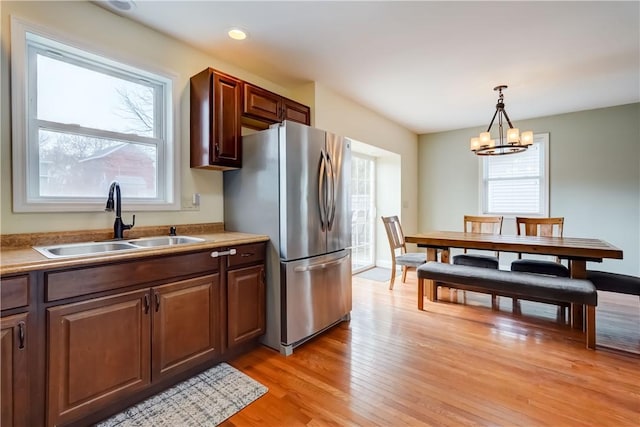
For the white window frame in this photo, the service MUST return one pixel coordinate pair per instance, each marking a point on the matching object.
(24, 128)
(543, 140)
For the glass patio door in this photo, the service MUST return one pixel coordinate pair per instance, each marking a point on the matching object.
(363, 212)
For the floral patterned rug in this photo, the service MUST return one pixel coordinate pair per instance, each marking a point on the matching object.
(204, 400)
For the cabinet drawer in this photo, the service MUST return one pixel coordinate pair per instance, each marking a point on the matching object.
(14, 292)
(83, 281)
(246, 255)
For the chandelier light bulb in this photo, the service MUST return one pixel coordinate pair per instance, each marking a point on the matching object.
(513, 136)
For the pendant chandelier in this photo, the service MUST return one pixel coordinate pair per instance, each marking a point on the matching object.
(512, 142)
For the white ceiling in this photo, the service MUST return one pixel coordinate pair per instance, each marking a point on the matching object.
(429, 66)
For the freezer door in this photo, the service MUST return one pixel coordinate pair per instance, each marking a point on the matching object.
(302, 150)
(339, 179)
(316, 293)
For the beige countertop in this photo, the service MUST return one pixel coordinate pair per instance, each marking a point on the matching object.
(22, 259)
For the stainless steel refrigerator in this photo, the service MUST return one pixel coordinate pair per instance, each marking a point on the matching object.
(294, 187)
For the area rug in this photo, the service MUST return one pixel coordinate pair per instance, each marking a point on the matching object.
(377, 274)
(204, 400)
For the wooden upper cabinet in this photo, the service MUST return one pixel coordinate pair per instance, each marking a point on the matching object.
(270, 107)
(296, 112)
(216, 100)
(261, 104)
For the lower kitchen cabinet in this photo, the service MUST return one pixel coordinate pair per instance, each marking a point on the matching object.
(245, 304)
(106, 335)
(99, 352)
(186, 324)
(108, 348)
(13, 370)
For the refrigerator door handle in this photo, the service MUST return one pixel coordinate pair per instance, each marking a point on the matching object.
(321, 265)
(321, 192)
(332, 193)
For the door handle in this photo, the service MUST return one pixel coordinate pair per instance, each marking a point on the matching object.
(146, 303)
(157, 301)
(21, 335)
(321, 265)
(321, 190)
(332, 193)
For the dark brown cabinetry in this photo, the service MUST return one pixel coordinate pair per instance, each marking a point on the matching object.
(246, 293)
(13, 370)
(98, 353)
(215, 120)
(270, 107)
(186, 324)
(246, 304)
(108, 348)
(117, 332)
(221, 105)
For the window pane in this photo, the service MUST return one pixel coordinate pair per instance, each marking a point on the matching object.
(514, 196)
(71, 94)
(80, 166)
(526, 163)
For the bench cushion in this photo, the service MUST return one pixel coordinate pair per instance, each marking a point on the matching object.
(540, 267)
(411, 259)
(614, 282)
(484, 261)
(511, 283)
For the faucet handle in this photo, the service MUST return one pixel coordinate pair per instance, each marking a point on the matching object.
(130, 226)
(172, 231)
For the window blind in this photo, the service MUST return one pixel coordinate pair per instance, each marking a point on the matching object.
(513, 183)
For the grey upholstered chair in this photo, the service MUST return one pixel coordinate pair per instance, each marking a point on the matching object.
(398, 248)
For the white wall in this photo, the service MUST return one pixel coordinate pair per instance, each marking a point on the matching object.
(594, 178)
(342, 116)
(127, 39)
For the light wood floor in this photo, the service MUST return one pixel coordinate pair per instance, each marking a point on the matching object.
(451, 365)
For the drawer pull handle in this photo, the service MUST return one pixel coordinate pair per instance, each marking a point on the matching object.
(216, 254)
(247, 254)
(146, 303)
(21, 335)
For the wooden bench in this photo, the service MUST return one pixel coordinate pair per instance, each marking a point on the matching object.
(514, 284)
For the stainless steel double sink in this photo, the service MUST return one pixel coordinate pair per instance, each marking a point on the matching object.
(94, 248)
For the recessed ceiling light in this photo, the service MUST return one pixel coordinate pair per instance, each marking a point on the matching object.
(123, 4)
(237, 34)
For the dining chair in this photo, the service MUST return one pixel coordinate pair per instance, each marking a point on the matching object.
(480, 224)
(399, 254)
(547, 227)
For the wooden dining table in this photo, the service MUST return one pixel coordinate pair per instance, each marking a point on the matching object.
(574, 249)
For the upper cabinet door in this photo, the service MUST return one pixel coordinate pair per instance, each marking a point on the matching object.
(215, 121)
(270, 107)
(227, 95)
(296, 112)
(261, 104)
